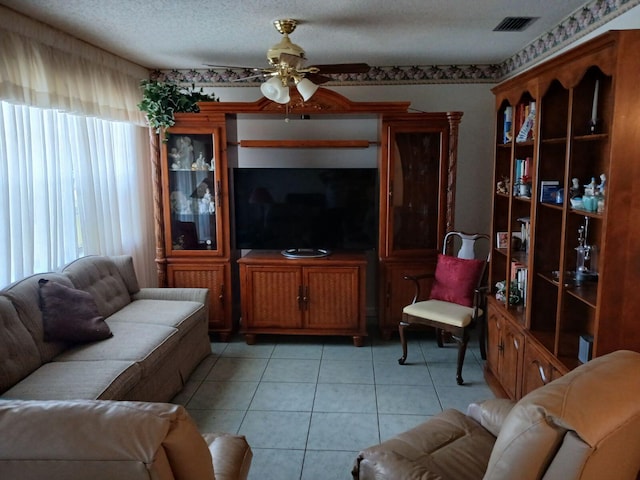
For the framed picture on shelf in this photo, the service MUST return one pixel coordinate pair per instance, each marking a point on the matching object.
(502, 239)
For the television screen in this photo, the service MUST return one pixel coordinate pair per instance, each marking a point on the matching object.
(320, 208)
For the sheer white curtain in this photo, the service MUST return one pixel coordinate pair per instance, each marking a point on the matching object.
(70, 186)
(74, 153)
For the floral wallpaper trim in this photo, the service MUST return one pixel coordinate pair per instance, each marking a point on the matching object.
(579, 23)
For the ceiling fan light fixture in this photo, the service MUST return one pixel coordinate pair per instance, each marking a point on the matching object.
(306, 88)
(275, 91)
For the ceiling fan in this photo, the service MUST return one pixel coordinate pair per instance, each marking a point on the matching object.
(286, 60)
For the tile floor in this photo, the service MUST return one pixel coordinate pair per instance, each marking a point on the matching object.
(307, 405)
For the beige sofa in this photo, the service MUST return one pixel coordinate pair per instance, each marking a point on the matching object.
(159, 336)
(584, 425)
(107, 440)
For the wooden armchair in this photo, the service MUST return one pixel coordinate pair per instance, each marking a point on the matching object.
(457, 297)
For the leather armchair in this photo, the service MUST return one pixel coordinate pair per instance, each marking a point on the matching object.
(584, 425)
(105, 440)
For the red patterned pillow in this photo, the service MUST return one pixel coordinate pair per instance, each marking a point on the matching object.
(455, 279)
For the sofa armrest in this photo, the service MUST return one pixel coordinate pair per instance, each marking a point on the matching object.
(100, 439)
(185, 294)
(491, 413)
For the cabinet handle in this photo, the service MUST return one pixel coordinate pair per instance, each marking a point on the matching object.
(543, 377)
(299, 297)
(516, 344)
(501, 347)
(221, 296)
(305, 299)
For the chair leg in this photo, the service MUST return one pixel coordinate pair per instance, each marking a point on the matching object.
(462, 349)
(403, 341)
(439, 337)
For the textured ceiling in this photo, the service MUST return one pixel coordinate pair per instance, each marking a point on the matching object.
(186, 34)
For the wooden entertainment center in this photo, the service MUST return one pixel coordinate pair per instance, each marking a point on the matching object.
(416, 157)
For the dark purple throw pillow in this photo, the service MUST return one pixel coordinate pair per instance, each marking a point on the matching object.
(456, 279)
(70, 315)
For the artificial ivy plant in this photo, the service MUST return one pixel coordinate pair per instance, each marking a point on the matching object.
(160, 100)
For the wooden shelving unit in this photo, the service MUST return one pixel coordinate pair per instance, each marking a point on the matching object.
(559, 311)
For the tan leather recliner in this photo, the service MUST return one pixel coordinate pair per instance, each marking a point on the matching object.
(584, 425)
(107, 440)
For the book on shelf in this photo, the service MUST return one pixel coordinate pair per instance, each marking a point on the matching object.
(525, 232)
(508, 120)
(519, 277)
(527, 121)
(522, 174)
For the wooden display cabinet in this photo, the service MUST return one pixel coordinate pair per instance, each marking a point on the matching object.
(574, 137)
(192, 235)
(417, 191)
(314, 296)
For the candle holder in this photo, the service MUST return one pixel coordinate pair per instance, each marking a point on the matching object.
(593, 122)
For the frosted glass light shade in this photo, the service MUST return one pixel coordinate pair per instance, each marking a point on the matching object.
(306, 88)
(275, 91)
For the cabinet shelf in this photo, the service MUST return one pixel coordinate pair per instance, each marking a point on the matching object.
(554, 141)
(586, 293)
(591, 138)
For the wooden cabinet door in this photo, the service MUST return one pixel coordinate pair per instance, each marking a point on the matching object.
(195, 194)
(274, 297)
(417, 182)
(215, 277)
(537, 369)
(331, 297)
(505, 351)
(512, 349)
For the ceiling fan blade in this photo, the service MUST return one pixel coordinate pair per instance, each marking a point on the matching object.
(260, 75)
(317, 78)
(335, 68)
(234, 67)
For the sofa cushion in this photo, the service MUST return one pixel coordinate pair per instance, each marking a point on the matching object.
(101, 277)
(447, 446)
(170, 313)
(107, 379)
(25, 296)
(19, 354)
(70, 315)
(133, 342)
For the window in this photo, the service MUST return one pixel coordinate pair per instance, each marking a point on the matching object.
(71, 186)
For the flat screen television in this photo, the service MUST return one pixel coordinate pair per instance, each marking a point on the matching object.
(305, 208)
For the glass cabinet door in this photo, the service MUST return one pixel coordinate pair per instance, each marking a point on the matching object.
(193, 187)
(415, 190)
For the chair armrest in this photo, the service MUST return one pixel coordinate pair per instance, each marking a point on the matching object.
(416, 284)
(184, 294)
(491, 413)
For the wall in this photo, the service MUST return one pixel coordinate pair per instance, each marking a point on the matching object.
(475, 148)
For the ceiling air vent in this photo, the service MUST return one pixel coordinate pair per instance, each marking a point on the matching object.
(514, 24)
